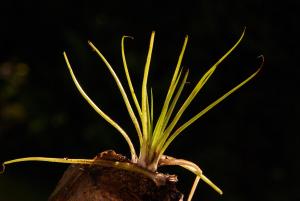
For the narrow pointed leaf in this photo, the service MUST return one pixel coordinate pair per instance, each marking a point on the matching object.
(161, 141)
(209, 107)
(199, 86)
(137, 105)
(123, 93)
(144, 88)
(176, 75)
(98, 110)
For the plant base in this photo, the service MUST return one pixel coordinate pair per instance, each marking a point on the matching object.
(96, 183)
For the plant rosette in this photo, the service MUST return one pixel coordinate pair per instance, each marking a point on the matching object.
(154, 135)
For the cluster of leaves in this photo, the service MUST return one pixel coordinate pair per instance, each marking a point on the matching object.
(155, 135)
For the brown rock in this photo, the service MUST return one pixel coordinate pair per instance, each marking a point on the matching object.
(96, 183)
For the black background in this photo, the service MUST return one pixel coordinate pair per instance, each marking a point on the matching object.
(248, 144)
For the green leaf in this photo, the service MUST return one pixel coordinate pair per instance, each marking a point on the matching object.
(199, 86)
(99, 111)
(123, 93)
(158, 132)
(128, 76)
(209, 107)
(144, 89)
(164, 136)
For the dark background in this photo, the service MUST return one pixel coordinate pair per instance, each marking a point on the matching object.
(248, 144)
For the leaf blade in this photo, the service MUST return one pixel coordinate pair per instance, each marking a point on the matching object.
(122, 91)
(209, 107)
(199, 86)
(98, 110)
(128, 76)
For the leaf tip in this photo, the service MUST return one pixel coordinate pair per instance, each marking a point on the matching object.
(65, 54)
(262, 59)
(220, 192)
(91, 44)
(127, 36)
